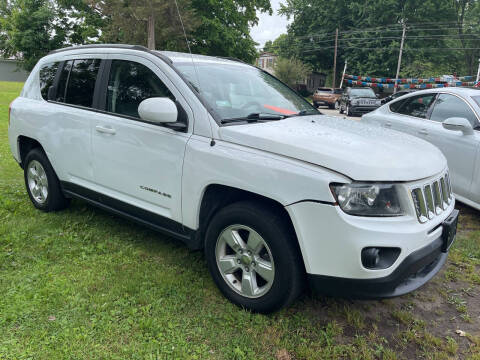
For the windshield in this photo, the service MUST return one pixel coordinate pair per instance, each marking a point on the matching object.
(237, 91)
(362, 93)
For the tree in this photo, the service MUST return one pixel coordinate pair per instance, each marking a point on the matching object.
(152, 23)
(268, 47)
(224, 28)
(291, 71)
(29, 29)
(370, 33)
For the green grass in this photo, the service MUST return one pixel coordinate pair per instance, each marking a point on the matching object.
(82, 284)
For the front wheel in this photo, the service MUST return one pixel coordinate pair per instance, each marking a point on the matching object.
(253, 258)
(349, 111)
(337, 105)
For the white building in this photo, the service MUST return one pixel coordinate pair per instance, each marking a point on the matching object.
(266, 61)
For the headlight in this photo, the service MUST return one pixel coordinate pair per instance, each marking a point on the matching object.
(364, 199)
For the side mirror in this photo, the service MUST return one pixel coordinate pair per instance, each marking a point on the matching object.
(160, 110)
(458, 124)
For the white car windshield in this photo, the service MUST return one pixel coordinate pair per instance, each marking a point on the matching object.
(238, 91)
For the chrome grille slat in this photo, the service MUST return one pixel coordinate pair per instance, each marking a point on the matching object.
(432, 198)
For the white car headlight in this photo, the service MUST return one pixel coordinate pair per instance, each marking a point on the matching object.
(368, 199)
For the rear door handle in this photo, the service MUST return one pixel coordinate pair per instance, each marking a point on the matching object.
(388, 124)
(105, 130)
(423, 132)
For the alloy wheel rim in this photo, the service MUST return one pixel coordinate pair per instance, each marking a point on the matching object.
(37, 181)
(245, 261)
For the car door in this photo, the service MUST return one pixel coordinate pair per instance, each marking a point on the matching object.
(136, 162)
(70, 109)
(410, 115)
(459, 149)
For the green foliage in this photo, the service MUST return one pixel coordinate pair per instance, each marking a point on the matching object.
(224, 28)
(29, 29)
(126, 21)
(291, 71)
(370, 34)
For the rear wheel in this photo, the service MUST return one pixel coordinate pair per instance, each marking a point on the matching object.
(331, 106)
(315, 104)
(253, 258)
(42, 184)
(337, 105)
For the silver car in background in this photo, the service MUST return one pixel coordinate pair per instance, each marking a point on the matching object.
(449, 118)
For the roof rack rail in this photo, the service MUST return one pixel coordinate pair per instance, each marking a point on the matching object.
(100, 46)
(232, 59)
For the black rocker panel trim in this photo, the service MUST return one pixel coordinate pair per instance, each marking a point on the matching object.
(131, 212)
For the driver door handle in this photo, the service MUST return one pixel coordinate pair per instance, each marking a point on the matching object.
(388, 124)
(423, 132)
(105, 130)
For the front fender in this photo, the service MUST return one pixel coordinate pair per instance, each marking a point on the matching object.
(279, 178)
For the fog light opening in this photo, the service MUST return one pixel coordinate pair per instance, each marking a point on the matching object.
(378, 258)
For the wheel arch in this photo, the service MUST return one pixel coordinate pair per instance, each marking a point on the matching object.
(25, 145)
(217, 196)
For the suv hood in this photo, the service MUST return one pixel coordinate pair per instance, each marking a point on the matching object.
(360, 151)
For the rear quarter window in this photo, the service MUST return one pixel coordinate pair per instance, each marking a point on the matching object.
(47, 77)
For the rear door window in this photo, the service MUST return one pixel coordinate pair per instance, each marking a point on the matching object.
(47, 77)
(416, 106)
(62, 83)
(81, 82)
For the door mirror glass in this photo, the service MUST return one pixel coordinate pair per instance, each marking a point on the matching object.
(458, 124)
(158, 110)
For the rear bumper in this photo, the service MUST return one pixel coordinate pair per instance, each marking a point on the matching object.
(414, 271)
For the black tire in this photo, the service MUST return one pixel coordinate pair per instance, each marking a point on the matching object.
(340, 109)
(289, 272)
(331, 106)
(315, 104)
(55, 200)
(349, 111)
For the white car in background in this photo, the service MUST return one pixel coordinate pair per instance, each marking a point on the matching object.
(449, 119)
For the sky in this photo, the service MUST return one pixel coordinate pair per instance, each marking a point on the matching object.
(269, 27)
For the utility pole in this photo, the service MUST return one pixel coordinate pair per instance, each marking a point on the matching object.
(151, 32)
(400, 56)
(478, 71)
(335, 59)
(343, 76)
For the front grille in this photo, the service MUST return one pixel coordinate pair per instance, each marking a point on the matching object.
(432, 198)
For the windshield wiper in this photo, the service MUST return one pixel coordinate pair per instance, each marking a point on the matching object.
(303, 113)
(254, 117)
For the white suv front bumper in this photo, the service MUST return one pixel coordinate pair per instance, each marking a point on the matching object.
(332, 241)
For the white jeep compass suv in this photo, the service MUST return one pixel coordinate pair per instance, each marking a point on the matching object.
(226, 158)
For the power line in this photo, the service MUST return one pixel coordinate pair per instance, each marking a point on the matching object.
(393, 49)
(424, 37)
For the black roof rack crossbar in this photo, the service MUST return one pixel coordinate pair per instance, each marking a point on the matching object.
(100, 46)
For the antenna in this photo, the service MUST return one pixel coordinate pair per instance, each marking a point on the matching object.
(212, 143)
